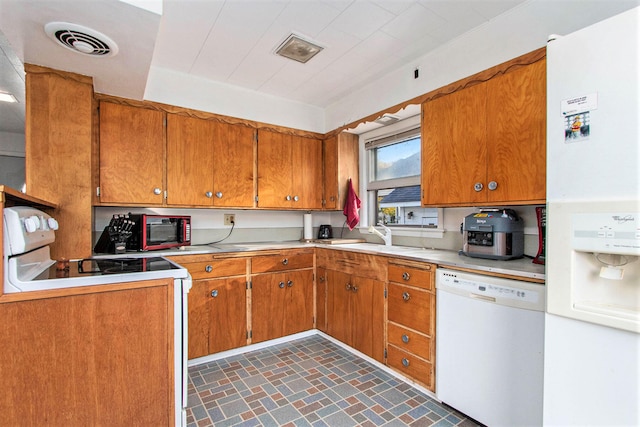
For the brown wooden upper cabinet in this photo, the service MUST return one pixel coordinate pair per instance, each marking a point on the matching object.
(340, 164)
(132, 153)
(209, 163)
(289, 171)
(486, 144)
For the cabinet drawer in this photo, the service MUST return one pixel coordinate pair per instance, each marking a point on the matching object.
(287, 260)
(411, 307)
(410, 365)
(419, 277)
(408, 340)
(217, 268)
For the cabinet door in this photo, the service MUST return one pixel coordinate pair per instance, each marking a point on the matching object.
(516, 140)
(340, 159)
(306, 173)
(132, 152)
(227, 314)
(233, 177)
(198, 309)
(367, 317)
(321, 299)
(190, 151)
(299, 302)
(454, 147)
(268, 302)
(107, 358)
(338, 306)
(274, 170)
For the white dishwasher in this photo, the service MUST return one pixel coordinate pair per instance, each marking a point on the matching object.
(489, 347)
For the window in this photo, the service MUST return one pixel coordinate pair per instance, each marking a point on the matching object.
(394, 181)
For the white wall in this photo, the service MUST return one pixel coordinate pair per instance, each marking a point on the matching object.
(12, 144)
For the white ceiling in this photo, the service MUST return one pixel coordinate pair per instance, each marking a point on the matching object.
(232, 42)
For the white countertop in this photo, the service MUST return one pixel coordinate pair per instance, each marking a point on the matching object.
(523, 267)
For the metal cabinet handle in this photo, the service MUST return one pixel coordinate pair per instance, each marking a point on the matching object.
(348, 286)
(208, 269)
(219, 194)
(406, 276)
(406, 296)
(281, 285)
(296, 198)
(321, 278)
(290, 283)
(208, 194)
(157, 191)
(405, 338)
(288, 198)
(214, 293)
(492, 185)
(285, 261)
(405, 362)
(478, 186)
(354, 288)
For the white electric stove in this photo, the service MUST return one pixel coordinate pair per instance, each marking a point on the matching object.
(28, 266)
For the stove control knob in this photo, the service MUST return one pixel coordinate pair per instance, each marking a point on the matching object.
(52, 223)
(31, 224)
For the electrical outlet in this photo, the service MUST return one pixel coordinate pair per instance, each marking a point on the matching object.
(229, 219)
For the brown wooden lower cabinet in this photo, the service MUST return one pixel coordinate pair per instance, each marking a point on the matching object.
(99, 358)
(355, 312)
(217, 303)
(217, 315)
(411, 304)
(281, 304)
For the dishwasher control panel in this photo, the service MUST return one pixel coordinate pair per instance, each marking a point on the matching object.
(492, 289)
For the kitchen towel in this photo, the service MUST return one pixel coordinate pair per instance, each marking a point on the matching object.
(351, 206)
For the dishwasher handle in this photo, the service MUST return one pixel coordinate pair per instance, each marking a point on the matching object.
(482, 297)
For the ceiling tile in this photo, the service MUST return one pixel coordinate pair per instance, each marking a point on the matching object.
(414, 22)
(351, 20)
(182, 36)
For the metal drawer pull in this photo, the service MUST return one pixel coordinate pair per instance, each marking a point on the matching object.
(478, 186)
(208, 194)
(219, 194)
(493, 185)
(288, 198)
(281, 285)
(354, 288)
(208, 269)
(406, 296)
(405, 338)
(348, 286)
(214, 293)
(285, 261)
(405, 362)
(290, 283)
(157, 191)
(406, 276)
(296, 198)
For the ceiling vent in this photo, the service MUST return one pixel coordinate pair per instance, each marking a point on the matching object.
(81, 39)
(298, 49)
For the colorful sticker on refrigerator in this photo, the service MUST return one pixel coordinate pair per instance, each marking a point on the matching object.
(576, 127)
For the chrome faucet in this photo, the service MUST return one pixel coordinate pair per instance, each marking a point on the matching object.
(386, 237)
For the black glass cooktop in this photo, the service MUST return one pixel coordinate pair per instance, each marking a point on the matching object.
(105, 266)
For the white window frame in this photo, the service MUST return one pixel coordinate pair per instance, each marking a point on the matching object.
(367, 199)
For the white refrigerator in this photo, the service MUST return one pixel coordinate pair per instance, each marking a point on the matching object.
(592, 321)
